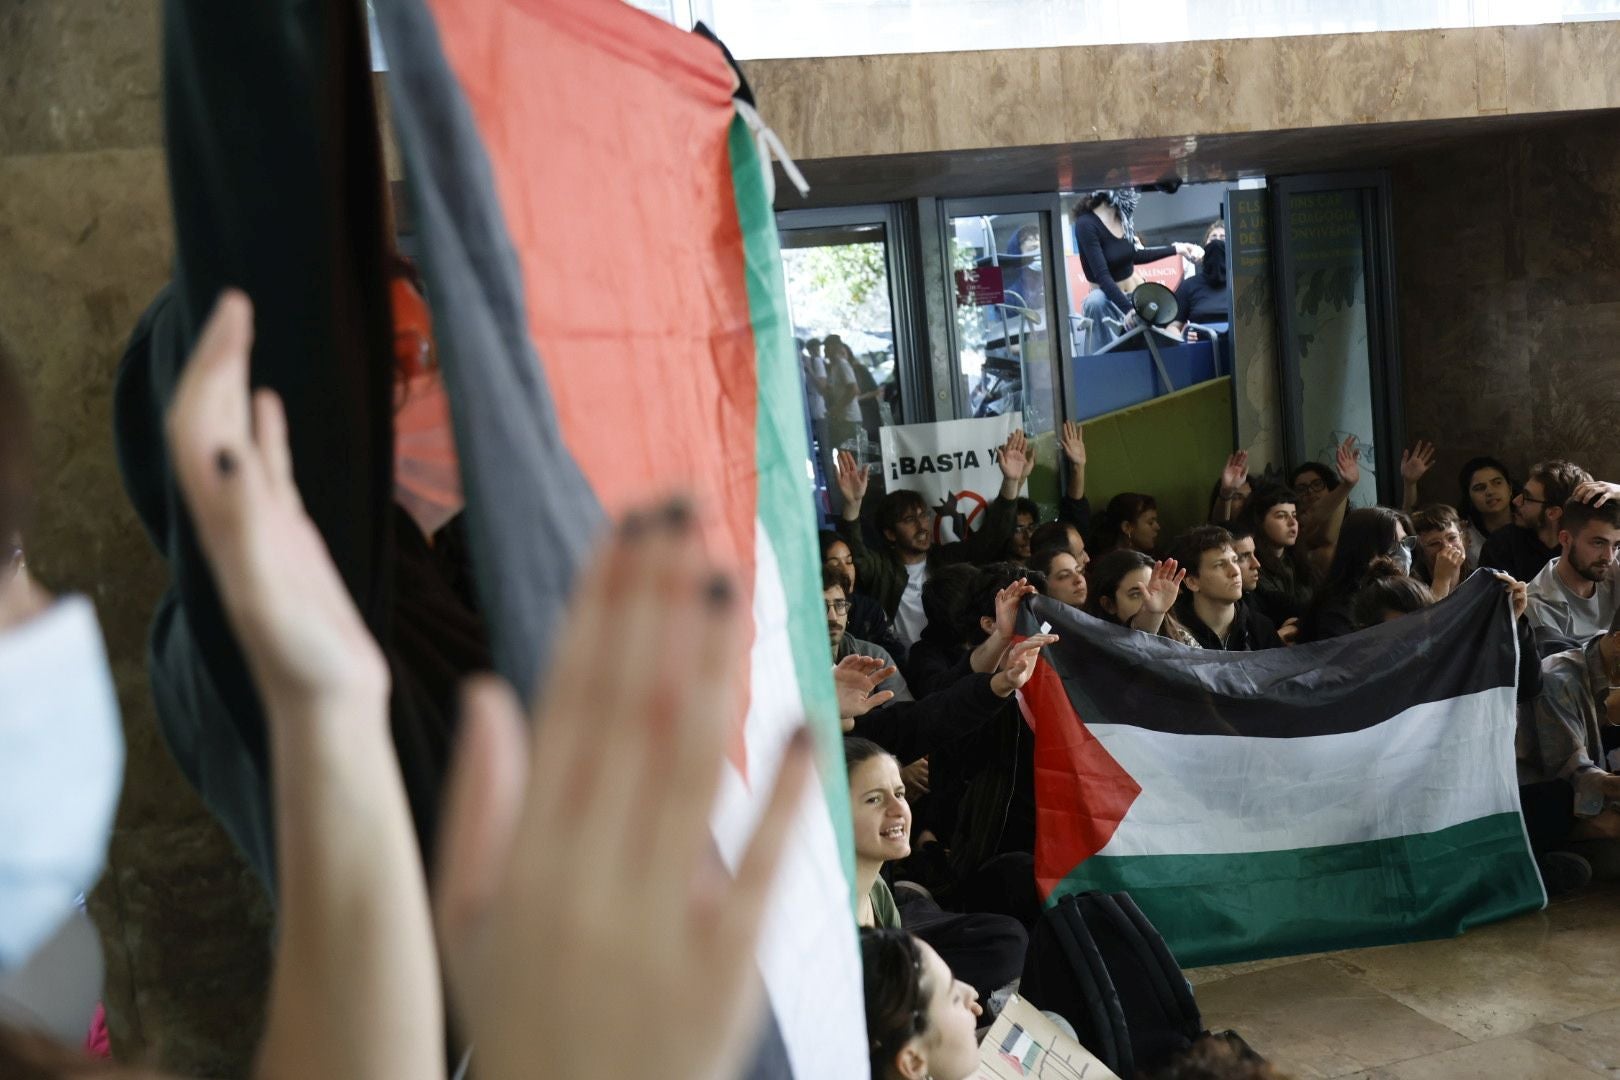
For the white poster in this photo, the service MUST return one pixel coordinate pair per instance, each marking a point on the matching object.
(953, 464)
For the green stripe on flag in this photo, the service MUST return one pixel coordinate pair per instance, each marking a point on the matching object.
(785, 508)
(1220, 909)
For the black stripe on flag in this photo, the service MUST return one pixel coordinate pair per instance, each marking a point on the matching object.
(1463, 645)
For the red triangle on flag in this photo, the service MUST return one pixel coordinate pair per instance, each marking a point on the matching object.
(1081, 792)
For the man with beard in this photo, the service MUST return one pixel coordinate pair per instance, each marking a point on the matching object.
(1576, 595)
(1524, 547)
(895, 575)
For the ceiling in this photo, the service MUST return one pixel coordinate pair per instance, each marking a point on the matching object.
(1232, 156)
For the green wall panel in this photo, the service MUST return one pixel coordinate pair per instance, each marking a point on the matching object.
(1172, 448)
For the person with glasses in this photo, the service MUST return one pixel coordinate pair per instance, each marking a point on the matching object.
(866, 618)
(835, 600)
(895, 573)
(1522, 548)
(1026, 518)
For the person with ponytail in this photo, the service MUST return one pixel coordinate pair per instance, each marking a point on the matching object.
(921, 1021)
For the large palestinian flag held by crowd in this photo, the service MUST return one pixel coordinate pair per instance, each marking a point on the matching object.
(1359, 791)
(601, 255)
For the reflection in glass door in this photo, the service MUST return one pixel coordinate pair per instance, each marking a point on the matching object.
(1001, 272)
(841, 303)
(1336, 324)
(1005, 293)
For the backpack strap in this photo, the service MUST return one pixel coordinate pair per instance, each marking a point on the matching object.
(1185, 1010)
(1097, 986)
(1062, 919)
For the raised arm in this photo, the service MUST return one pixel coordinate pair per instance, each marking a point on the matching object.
(1414, 463)
(355, 992)
(1233, 477)
(1321, 525)
(1163, 586)
(1016, 461)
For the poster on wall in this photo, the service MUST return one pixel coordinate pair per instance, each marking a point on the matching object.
(952, 464)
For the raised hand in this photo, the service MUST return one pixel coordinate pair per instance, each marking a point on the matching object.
(1015, 455)
(556, 843)
(1446, 572)
(856, 679)
(1236, 473)
(1348, 459)
(915, 777)
(1595, 492)
(1073, 441)
(1018, 666)
(1417, 461)
(852, 479)
(1518, 591)
(1007, 601)
(303, 640)
(1163, 586)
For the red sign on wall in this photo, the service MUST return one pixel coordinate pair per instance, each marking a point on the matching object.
(980, 286)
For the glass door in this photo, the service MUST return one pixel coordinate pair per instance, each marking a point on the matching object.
(1007, 286)
(1337, 342)
(843, 290)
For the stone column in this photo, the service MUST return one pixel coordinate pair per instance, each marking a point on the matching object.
(85, 242)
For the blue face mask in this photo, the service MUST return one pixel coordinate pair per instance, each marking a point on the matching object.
(1402, 554)
(61, 768)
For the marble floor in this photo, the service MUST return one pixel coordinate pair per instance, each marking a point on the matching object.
(1532, 998)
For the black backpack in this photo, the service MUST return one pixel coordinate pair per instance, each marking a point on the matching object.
(1096, 961)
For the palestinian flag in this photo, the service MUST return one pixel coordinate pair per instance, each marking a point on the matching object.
(609, 306)
(1359, 791)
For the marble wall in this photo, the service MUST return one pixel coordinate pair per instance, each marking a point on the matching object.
(858, 106)
(1509, 286)
(84, 243)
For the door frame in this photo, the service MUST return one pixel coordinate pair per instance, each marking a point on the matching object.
(1383, 332)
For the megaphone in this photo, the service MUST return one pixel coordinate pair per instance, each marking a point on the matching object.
(1155, 305)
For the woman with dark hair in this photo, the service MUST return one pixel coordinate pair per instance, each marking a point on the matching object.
(1129, 589)
(1310, 482)
(1386, 594)
(1369, 533)
(1105, 237)
(1131, 521)
(1485, 496)
(866, 619)
(986, 950)
(1284, 590)
(921, 1021)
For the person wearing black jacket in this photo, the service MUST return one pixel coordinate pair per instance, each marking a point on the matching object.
(866, 619)
(1212, 607)
(277, 188)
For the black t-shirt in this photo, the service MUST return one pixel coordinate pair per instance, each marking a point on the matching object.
(1517, 551)
(1107, 259)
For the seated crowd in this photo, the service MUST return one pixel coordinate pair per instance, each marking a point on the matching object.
(944, 821)
(927, 663)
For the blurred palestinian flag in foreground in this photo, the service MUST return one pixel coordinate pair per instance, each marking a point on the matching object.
(601, 254)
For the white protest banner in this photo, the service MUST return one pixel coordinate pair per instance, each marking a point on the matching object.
(951, 464)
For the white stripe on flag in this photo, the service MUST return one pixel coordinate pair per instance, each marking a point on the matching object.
(808, 952)
(1433, 766)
